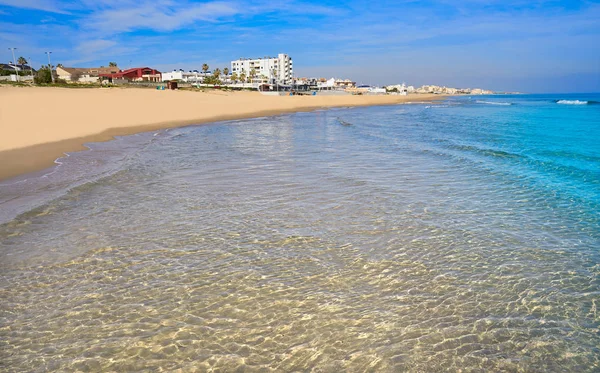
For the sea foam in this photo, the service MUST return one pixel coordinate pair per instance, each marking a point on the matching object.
(494, 103)
(571, 102)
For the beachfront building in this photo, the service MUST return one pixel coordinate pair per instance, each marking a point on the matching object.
(400, 88)
(136, 74)
(325, 84)
(278, 69)
(83, 74)
(344, 83)
(9, 71)
(15, 67)
(192, 76)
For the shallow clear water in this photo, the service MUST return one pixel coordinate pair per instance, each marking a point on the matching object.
(446, 236)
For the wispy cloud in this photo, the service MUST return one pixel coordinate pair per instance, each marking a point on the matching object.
(157, 15)
(45, 5)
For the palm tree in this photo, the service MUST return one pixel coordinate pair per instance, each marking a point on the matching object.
(22, 61)
(204, 67)
(243, 76)
(226, 71)
(252, 73)
(217, 72)
(234, 76)
(112, 64)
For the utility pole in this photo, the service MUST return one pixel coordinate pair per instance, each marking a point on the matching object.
(15, 62)
(50, 66)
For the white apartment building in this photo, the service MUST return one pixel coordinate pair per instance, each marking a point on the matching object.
(278, 68)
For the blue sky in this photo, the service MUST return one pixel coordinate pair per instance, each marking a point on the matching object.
(531, 46)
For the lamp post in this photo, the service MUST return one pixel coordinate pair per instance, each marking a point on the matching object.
(50, 66)
(15, 62)
(31, 69)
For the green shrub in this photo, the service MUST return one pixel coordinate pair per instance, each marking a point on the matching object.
(44, 76)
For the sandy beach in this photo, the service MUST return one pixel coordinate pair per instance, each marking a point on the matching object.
(40, 124)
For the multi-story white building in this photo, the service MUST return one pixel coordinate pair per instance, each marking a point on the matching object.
(279, 69)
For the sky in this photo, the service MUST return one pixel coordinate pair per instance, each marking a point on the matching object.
(503, 45)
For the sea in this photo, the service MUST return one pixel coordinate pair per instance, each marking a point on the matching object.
(459, 235)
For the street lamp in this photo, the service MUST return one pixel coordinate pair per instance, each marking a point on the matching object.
(31, 69)
(15, 62)
(50, 66)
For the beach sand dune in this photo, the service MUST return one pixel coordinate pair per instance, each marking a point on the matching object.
(39, 124)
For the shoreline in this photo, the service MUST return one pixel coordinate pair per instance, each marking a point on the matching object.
(56, 132)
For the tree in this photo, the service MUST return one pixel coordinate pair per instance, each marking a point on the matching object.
(212, 80)
(252, 73)
(217, 73)
(243, 77)
(59, 65)
(44, 76)
(226, 71)
(234, 76)
(22, 61)
(204, 67)
(112, 64)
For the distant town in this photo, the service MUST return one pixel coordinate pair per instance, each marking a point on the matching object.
(269, 75)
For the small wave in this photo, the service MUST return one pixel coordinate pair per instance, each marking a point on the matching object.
(486, 152)
(576, 102)
(494, 103)
(343, 122)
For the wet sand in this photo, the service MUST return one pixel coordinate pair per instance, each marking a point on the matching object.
(40, 124)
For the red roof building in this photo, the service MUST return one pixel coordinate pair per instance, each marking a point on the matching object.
(136, 74)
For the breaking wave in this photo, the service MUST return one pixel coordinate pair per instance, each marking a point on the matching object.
(576, 102)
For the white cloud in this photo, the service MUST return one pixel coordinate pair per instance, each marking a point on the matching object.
(168, 15)
(45, 5)
(157, 15)
(90, 47)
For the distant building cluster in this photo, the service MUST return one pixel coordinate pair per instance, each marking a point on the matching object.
(265, 74)
(442, 90)
(452, 91)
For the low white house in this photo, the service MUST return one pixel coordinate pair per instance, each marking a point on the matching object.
(328, 84)
(192, 76)
(376, 91)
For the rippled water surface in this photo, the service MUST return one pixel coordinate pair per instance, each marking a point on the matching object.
(462, 235)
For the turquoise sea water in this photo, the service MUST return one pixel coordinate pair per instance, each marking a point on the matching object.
(455, 235)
